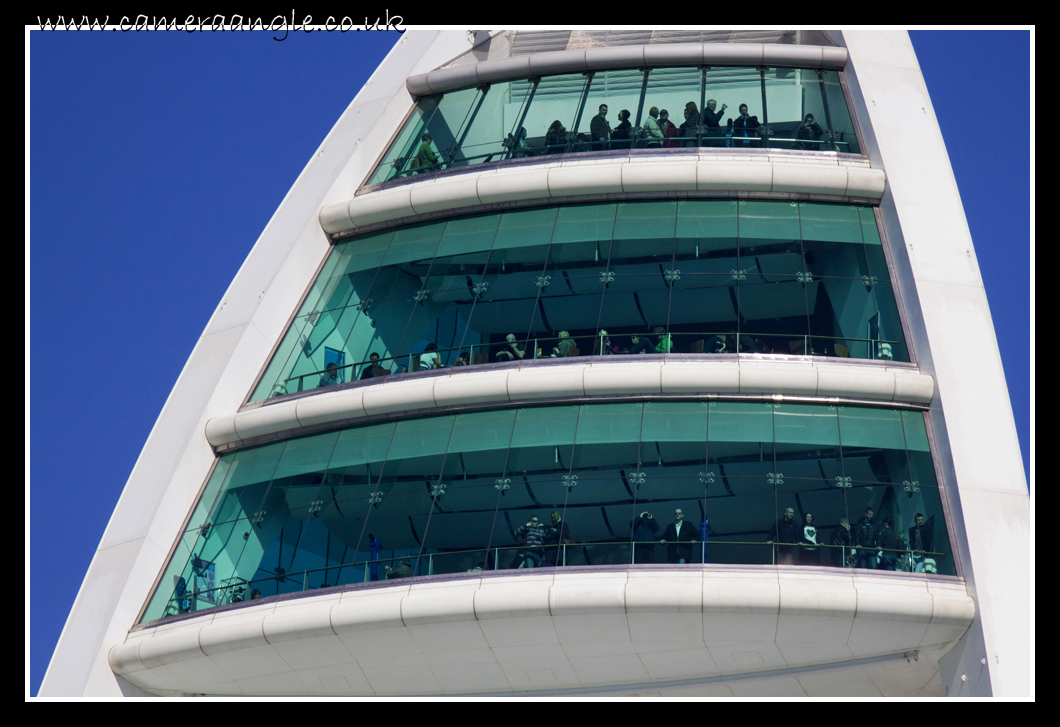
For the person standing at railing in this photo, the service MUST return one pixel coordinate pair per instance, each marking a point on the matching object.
(841, 543)
(712, 122)
(620, 137)
(330, 377)
(809, 553)
(556, 138)
(746, 129)
(669, 130)
(866, 540)
(785, 532)
(600, 130)
(556, 536)
(644, 528)
(808, 135)
(678, 537)
(888, 542)
(369, 370)
(688, 128)
(653, 135)
(426, 158)
(921, 540)
(532, 536)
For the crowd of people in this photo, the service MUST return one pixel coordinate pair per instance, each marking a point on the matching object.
(699, 128)
(564, 345)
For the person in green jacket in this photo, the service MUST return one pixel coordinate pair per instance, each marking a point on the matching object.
(426, 157)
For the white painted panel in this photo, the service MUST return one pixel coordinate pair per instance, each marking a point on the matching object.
(330, 406)
(700, 377)
(235, 633)
(399, 396)
(571, 61)
(857, 382)
(585, 179)
(791, 55)
(784, 378)
(676, 175)
(673, 54)
(545, 381)
(742, 176)
(336, 217)
(444, 194)
(614, 57)
(809, 178)
(381, 206)
(358, 612)
(513, 185)
(864, 182)
(815, 610)
(171, 647)
(304, 621)
(914, 387)
(266, 420)
(222, 430)
(471, 387)
(629, 378)
(440, 605)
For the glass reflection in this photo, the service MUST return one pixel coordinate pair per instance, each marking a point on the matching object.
(657, 482)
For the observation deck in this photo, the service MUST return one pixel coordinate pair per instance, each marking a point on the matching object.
(553, 392)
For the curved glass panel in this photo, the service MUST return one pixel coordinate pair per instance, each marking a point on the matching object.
(787, 108)
(749, 482)
(656, 277)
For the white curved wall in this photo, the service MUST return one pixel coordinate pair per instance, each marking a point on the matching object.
(471, 385)
(703, 172)
(554, 630)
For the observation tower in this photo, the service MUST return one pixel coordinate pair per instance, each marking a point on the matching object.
(588, 363)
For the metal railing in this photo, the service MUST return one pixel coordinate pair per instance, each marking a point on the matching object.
(538, 347)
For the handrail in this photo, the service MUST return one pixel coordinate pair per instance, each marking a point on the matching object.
(236, 583)
(592, 339)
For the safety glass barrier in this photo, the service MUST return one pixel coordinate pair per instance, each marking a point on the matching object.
(733, 107)
(799, 278)
(208, 593)
(601, 344)
(566, 485)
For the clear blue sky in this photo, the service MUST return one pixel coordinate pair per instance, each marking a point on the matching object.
(158, 158)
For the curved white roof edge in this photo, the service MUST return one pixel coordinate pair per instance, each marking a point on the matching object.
(701, 611)
(626, 56)
(468, 386)
(700, 173)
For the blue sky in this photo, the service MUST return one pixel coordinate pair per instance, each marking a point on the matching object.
(158, 158)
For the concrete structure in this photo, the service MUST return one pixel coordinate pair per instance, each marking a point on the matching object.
(743, 630)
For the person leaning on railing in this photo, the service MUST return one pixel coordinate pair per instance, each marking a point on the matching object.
(511, 350)
(330, 377)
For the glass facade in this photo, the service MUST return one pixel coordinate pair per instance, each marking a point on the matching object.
(665, 277)
(786, 108)
(563, 485)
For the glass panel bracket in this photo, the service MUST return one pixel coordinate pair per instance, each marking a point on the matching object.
(842, 482)
(913, 486)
